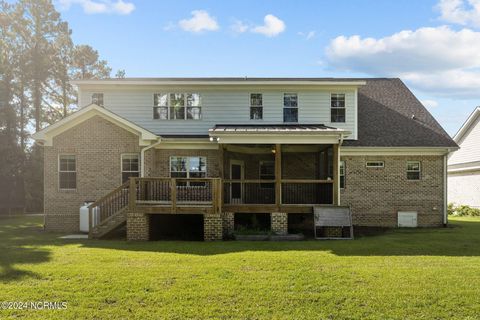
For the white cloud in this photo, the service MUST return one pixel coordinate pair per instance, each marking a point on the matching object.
(123, 7)
(307, 35)
(99, 6)
(430, 104)
(463, 12)
(199, 22)
(438, 59)
(239, 27)
(272, 26)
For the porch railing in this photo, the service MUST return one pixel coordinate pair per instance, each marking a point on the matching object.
(307, 191)
(292, 191)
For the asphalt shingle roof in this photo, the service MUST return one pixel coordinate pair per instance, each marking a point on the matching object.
(389, 115)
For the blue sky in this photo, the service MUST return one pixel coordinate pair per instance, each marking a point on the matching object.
(434, 46)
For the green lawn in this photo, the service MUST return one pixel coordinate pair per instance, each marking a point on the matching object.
(403, 274)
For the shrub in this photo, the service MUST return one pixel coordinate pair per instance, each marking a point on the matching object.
(463, 210)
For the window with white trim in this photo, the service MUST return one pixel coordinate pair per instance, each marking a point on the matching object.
(290, 107)
(337, 110)
(375, 164)
(97, 98)
(177, 106)
(188, 167)
(67, 172)
(414, 170)
(256, 106)
(267, 172)
(342, 174)
(130, 166)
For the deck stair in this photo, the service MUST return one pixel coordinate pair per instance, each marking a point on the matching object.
(109, 213)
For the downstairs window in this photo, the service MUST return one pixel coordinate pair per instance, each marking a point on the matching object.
(188, 167)
(67, 172)
(130, 166)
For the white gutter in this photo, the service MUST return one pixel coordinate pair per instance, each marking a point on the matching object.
(340, 141)
(194, 82)
(476, 168)
(142, 156)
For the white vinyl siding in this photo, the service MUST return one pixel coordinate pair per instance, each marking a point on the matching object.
(224, 106)
(469, 146)
(464, 188)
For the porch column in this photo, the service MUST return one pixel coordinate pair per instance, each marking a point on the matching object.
(336, 175)
(278, 175)
(228, 223)
(279, 222)
(212, 227)
(138, 226)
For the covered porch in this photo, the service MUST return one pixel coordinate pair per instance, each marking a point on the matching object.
(278, 168)
(279, 177)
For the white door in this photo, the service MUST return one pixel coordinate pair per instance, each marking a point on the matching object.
(236, 188)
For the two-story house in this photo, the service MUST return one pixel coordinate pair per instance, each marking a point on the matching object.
(162, 154)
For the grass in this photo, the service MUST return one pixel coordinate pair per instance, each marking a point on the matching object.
(403, 274)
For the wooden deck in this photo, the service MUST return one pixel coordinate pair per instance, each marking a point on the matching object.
(209, 196)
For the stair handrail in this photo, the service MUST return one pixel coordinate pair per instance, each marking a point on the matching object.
(105, 199)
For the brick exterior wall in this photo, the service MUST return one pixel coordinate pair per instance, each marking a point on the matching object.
(279, 223)
(138, 226)
(97, 145)
(212, 227)
(376, 195)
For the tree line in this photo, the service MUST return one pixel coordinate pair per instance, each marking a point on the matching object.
(37, 61)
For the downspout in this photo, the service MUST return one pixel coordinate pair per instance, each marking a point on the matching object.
(142, 156)
(445, 190)
(340, 141)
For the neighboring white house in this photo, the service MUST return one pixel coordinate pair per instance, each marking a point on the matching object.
(464, 164)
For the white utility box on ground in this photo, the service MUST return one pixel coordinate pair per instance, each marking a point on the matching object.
(84, 225)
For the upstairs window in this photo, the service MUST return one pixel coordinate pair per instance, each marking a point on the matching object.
(256, 106)
(97, 98)
(194, 111)
(267, 172)
(290, 107)
(337, 103)
(177, 106)
(160, 106)
(130, 166)
(188, 167)
(67, 172)
(413, 170)
(342, 174)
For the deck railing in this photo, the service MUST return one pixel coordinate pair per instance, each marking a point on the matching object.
(176, 194)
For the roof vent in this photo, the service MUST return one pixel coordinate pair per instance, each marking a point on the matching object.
(413, 117)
